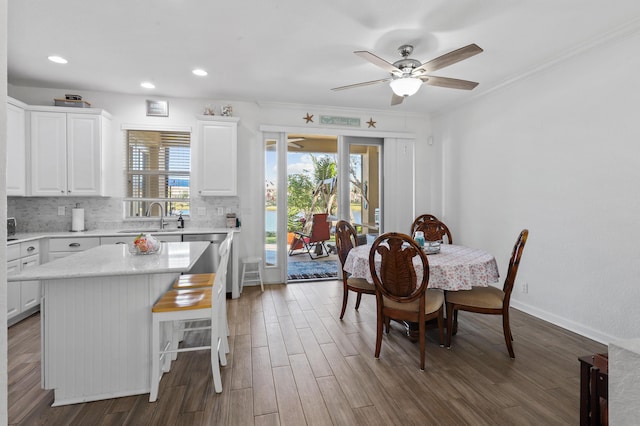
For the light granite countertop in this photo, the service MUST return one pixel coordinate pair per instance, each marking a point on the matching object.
(115, 260)
(30, 236)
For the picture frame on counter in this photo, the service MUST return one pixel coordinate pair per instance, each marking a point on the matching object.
(157, 108)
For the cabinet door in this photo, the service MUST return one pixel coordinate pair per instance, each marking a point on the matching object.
(218, 158)
(30, 290)
(13, 289)
(16, 151)
(84, 156)
(48, 141)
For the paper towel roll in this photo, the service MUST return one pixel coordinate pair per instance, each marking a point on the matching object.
(77, 219)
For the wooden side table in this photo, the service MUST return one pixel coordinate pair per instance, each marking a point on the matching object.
(592, 366)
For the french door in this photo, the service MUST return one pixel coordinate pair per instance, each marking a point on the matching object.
(359, 192)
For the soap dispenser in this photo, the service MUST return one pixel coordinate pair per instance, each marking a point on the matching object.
(180, 222)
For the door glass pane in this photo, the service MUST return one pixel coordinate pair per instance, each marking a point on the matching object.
(271, 202)
(364, 193)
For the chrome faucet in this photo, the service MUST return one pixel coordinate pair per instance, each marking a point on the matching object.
(162, 222)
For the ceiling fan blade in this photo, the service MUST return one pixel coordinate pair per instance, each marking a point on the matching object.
(396, 100)
(451, 83)
(450, 58)
(366, 83)
(378, 61)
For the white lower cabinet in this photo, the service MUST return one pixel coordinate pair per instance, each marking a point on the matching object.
(23, 297)
(62, 247)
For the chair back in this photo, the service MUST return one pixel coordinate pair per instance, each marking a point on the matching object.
(420, 219)
(346, 239)
(514, 262)
(435, 230)
(320, 228)
(397, 279)
(220, 281)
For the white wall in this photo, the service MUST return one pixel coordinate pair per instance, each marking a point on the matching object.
(557, 153)
(183, 112)
(3, 214)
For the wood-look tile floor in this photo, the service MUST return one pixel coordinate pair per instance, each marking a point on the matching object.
(293, 362)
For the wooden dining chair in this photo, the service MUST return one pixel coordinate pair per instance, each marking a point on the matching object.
(400, 294)
(488, 300)
(346, 239)
(435, 230)
(419, 220)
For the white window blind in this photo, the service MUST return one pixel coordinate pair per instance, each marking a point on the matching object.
(158, 170)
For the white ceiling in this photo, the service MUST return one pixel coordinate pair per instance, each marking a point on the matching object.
(294, 51)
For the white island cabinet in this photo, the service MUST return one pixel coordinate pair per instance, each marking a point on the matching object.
(96, 317)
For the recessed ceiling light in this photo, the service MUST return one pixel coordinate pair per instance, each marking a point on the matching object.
(199, 72)
(148, 85)
(58, 59)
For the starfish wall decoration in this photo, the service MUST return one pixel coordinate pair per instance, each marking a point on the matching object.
(309, 118)
(371, 123)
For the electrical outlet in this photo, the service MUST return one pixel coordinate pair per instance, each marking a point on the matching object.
(61, 211)
(219, 211)
(525, 287)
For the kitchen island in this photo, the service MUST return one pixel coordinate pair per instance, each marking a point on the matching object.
(96, 317)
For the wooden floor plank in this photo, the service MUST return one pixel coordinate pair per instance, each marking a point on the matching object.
(289, 405)
(293, 361)
(313, 405)
(264, 393)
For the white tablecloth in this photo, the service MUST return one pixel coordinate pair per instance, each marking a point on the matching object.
(454, 268)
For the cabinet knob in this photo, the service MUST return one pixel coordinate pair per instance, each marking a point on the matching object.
(31, 248)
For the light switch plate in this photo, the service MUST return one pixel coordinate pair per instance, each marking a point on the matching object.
(219, 211)
(61, 211)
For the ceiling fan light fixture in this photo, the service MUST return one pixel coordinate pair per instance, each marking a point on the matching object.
(405, 86)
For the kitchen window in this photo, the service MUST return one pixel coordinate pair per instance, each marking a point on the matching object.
(158, 173)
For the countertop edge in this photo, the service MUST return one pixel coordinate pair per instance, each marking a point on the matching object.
(32, 236)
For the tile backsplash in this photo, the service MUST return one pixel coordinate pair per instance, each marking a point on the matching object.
(40, 214)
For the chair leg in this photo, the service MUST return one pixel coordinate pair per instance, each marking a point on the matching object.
(441, 326)
(450, 315)
(379, 322)
(422, 329)
(387, 324)
(345, 297)
(260, 276)
(155, 360)
(358, 300)
(508, 337)
(455, 322)
(216, 344)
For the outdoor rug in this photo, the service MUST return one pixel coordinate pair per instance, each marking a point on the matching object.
(327, 269)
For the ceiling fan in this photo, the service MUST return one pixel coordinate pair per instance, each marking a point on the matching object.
(407, 75)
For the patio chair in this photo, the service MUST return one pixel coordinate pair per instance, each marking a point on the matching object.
(313, 243)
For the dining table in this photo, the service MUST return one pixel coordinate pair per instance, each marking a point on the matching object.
(453, 268)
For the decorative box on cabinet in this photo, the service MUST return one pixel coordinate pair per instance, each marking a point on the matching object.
(23, 297)
(217, 151)
(68, 151)
(16, 148)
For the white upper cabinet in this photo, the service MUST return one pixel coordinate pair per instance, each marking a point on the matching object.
(16, 148)
(217, 156)
(67, 154)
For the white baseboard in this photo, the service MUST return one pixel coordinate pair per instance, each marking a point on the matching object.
(564, 323)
